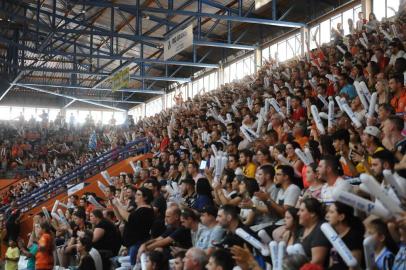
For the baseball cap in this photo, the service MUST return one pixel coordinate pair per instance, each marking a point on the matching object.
(209, 209)
(373, 131)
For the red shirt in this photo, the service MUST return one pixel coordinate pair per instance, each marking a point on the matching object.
(298, 114)
(164, 144)
(399, 103)
(44, 259)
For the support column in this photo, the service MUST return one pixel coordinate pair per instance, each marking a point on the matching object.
(366, 7)
(220, 75)
(304, 32)
(257, 58)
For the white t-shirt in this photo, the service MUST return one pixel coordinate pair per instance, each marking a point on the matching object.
(393, 58)
(327, 191)
(96, 258)
(288, 197)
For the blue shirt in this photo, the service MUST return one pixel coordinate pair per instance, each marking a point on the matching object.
(210, 236)
(400, 259)
(384, 260)
(349, 90)
(201, 201)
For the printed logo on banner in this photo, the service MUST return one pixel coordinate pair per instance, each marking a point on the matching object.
(178, 42)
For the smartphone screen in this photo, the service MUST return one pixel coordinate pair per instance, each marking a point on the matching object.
(203, 165)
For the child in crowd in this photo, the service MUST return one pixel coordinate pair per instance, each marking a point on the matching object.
(385, 246)
(12, 255)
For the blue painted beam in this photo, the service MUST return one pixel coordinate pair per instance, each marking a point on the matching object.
(167, 79)
(225, 45)
(70, 97)
(225, 17)
(195, 14)
(124, 90)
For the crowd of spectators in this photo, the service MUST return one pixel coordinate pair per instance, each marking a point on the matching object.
(38, 152)
(293, 156)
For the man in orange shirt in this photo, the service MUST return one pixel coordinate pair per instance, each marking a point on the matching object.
(398, 102)
(44, 259)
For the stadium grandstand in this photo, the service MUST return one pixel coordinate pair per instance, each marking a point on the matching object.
(203, 134)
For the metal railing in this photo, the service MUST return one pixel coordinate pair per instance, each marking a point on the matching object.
(80, 174)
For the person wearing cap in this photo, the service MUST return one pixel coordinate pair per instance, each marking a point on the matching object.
(190, 220)
(213, 232)
(372, 144)
(341, 143)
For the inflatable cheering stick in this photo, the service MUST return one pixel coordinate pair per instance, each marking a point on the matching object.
(253, 241)
(338, 244)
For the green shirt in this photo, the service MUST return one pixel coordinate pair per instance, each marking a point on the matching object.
(31, 261)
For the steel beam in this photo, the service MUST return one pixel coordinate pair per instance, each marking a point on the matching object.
(195, 14)
(129, 90)
(114, 101)
(166, 79)
(225, 17)
(70, 103)
(137, 60)
(70, 97)
(226, 45)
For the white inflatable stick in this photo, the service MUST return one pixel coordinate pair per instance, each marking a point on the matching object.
(309, 155)
(56, 204)
(338, 244)
(369, 252)
(317, 120)
(361, 95)
(350, 114)
(302, 156)
(62, 217)
(399, 187)
(360, 203)
(93, 201)
(295, 249)
(46, 214)
(330, 117)
(288, 101)
(376, 190)
(371, 109)
(273, 247)
(107, 177)
(283, 160)
(323, 100)
(253, 241)
(265, 238)
(281, 254)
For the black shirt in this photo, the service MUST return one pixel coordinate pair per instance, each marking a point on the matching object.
(12, 224)
(314, 239)
(181, 237)
(190, 200)
(159, 203)
(87, 263)
(231, 239)
(111, 240)
(353, 240)
(138, 226)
